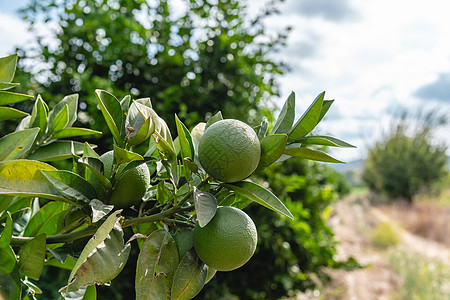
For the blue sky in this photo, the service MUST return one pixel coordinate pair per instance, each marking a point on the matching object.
(372, 57)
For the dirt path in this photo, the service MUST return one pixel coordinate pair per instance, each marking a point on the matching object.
(352, 219)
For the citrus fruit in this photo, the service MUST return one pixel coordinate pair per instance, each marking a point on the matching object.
(228, 241)
(130, 186)
(229, 150)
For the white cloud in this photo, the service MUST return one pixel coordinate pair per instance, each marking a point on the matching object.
(13, 32)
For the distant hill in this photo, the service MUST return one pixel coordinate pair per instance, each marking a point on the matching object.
(355, 165)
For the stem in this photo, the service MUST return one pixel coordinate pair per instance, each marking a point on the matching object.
(88, 231)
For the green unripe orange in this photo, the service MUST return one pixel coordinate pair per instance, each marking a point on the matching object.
(130, 186)
(228, 241)
(229, 150)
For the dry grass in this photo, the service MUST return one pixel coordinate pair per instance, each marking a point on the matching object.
(427, 219)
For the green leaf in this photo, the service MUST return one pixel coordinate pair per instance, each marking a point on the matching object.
(9, 113)
(165, 144)
(10, 284)
(325, 107)
(286, 117)
(8, 67)
(263, 129)
(60, 121)
(311, 154)
(5, 236)
(205, 206)
(84, 293)
(70, 185)
(103, 257)
(260, 195)
(185, 139)
(308, 120)
(31, 257)
(10, 97)
(112, 112)
(190, 277)
(272, 147)
(16, 144)
(95, 165)
(217, 117)
(39, 116)
(58, 150)
(323, 140)
(6, 86)
(196, 134)
(88, 151)
(23, 178)
(122, 156)
(72, 103)
(42, 216)
(140, 123)
(156, 266)
(99, 210)
(74, 131)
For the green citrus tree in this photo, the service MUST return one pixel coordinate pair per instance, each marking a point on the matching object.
(72, 218)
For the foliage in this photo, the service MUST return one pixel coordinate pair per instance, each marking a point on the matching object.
(384, 236)
(195, 60)
(63, 217)
(406, 160)
(422, 277)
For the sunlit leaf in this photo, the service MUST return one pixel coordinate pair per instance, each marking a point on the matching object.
(24, 178)
(15, 144)
(260, 195)
(217, 117)
(74, 131)
(9, 113)
(39, 116)
(311, 154)
(325, 107)
(112, 112)
(308, 120)
(10, 97)
(286, 117)
(60, 121)
(324, 141)
(8, 67)
(185, 140)
(122, 156)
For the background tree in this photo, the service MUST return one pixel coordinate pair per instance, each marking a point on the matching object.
(407, 160)
(205, 57)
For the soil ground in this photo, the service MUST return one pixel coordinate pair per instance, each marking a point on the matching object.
(352, 221)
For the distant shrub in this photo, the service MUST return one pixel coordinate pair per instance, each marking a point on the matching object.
(385, 236)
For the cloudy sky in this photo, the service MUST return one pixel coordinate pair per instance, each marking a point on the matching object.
(372, 57)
